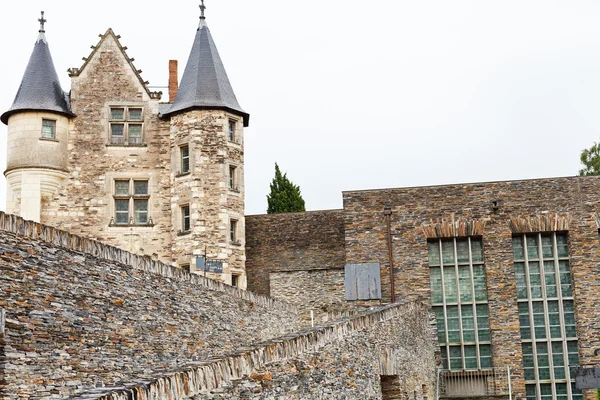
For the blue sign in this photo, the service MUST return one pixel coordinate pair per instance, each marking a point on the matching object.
(212, 266)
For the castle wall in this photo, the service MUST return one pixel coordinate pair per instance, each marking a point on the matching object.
(292, 242)
(422, 213)
(86, 203)
(340, 360)
(81, 314)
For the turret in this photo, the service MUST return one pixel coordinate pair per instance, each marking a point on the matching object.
(38, 124)
(207, 160)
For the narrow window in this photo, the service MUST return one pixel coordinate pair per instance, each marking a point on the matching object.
(233, 178)
(232, 125)
(185, 267)
(233, 231)
(185, 218)
(185, 159)
(135, 114)
(546, 315)
(135, 134)
(48, 129)
(459, 299)
(117, 133)
(122, 188)
(235, 280)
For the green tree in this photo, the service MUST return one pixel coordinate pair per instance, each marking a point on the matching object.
(284, 196)
(590, 158)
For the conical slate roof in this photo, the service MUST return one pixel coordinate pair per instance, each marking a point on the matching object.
(205, 84)
(40, 88)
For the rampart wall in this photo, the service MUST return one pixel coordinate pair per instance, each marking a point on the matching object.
(80, 314)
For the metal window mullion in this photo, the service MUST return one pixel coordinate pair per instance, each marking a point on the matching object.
(563, 330)
(531, 322)
(458, 301)
(546, 316)
(476, 330)
(447, 345)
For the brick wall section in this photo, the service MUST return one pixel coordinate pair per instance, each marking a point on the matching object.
(293, 241)
(571, 199)
(339, 360)
(75, 320)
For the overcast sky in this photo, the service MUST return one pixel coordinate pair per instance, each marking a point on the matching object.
(349, 94)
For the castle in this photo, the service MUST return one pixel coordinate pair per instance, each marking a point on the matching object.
(509, 269)
(109, 160)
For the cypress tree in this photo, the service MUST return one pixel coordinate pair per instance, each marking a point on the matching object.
(284, 196)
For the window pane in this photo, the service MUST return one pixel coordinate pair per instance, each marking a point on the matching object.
(436, 285)
(433, 253)
(528, 364)
(547, 246)
(524, 321)
(48, 129)
(453, 324)
(550, 279)
(565, 278)
(483, 325)
(117, 114)
(122, 211)
(535, 280)
(185, 214)
(479, 282)
(135, 114)
(464, 281)
(554, 319)
(455, 358)
(561, 244)
(141, 211)
(450, 284)
(462, 250)
(470, 357)
(543, 360)
(485, 354)
(439, 318)
(521, 281)
(476, 251)
(569, 318)
(517, 242)
(122, 188)
(539, 321)
(140, 187)
(448, 251)
(135, 134)
(558, 361)
(468, 323)
(532, 247)
(116, 132)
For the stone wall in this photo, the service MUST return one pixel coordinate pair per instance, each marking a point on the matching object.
(85, 205)
(206, 190)
(321, 291)
(292, 241)
(340, 360)
(493, 211)
(81, 314)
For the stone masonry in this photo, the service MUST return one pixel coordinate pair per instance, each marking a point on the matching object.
(81, 314)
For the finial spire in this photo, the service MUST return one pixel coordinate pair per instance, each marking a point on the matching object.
(42, 22)
(202, 17)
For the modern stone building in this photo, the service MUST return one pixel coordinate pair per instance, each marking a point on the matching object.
(109, 160)
(511, 269)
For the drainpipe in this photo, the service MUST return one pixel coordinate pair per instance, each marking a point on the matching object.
(388, 214)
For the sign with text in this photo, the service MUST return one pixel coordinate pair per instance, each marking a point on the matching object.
(208, 265)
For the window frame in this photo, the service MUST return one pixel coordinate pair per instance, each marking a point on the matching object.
(133, 198)
(233, 178)
(479, 309)
(53, 126)
(126, 138)
(233, 231)
(183, 159)
(185, 218)
(548, 337)
(232, 130)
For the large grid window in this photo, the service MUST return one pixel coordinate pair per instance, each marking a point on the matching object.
(131, 198)
(546, 315)
(459, 299)
(126, 126)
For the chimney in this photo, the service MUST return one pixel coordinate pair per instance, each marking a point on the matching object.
(173, 84)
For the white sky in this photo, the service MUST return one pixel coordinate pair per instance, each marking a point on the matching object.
(359, 95)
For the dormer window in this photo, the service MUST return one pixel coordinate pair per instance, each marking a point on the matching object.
(48, 129)
(126, 126)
